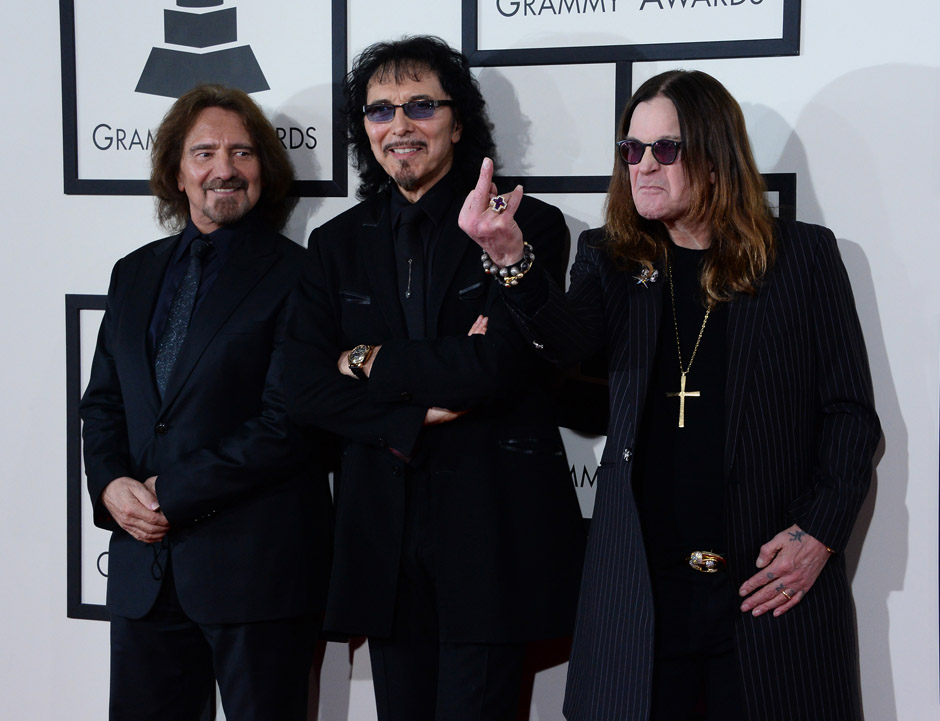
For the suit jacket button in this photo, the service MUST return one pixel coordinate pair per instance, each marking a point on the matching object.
(382, 443)
(406, 396)
(162, 429)
(627, 454)
(396, 471)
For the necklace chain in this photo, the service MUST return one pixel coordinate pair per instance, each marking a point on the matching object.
(675, 323)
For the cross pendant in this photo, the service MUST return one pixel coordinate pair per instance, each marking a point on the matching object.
(682, 396)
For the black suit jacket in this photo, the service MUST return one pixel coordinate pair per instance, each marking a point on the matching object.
(247, 503)
(800, 434)
(510, 543)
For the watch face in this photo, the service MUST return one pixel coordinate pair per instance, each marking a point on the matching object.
(358, 355)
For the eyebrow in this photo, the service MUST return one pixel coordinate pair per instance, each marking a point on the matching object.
(212, 146)
(387, 101)
(661, 137)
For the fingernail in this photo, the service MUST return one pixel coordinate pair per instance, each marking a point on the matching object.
(757, 612)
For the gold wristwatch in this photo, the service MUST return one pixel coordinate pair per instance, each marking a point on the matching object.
(357, 356)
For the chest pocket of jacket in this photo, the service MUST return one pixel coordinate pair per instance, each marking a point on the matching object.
(471, 291)
(351, 296)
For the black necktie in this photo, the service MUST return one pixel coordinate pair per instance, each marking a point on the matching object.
(181, 311)
(411, 269)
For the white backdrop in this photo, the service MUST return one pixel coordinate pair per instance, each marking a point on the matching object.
(854, 116)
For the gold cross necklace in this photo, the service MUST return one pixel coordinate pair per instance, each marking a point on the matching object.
(683, 393)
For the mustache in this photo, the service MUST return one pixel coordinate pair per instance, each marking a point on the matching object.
(404, 144)
(230, 184)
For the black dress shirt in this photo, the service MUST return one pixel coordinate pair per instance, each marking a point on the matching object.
(223, 243)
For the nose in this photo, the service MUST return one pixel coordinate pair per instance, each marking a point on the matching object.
(225, 166)
(401, 123)
(647, 163)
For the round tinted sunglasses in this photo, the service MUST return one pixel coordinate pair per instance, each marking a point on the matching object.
(414, 109)
(664, 151)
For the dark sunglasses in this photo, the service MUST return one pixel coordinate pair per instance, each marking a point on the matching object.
(414, 109)
(664, 151)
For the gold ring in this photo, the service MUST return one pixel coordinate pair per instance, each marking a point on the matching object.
(786, 594)
(497, 204)
(706, 561)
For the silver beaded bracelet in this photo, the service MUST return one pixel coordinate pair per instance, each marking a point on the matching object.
(510, 275)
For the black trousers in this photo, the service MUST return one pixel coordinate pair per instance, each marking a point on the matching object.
(164, 666)
(426, 681)
(696, 671)
(417, 675)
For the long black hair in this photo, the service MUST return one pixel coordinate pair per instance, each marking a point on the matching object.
(408, 58)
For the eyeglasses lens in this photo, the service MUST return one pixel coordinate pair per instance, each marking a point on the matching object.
(380, 113)
(632, 151)
(415, 109)
(419, 109)
(664, 151)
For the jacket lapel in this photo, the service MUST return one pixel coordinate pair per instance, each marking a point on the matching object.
(377, 255)
(631, 365)
(251, 259)
(745, 319)
(449, 252)
(140, 302)
(645, 314)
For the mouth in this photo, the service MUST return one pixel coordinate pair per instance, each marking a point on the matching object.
(403, 150)
(225, 188)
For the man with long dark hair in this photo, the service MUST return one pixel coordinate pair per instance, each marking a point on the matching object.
(741, 431)
(458, 533)
(220, 514)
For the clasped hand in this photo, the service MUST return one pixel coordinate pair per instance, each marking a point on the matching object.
(135, 508)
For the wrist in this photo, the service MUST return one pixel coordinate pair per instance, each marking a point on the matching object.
(509, 274)
(508, 259)
(359, 360)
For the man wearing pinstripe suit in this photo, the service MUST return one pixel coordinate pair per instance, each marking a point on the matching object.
(741, 430)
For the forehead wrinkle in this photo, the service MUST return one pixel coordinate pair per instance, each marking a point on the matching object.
(399, 71)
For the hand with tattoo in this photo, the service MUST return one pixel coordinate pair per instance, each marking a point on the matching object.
(792, 558)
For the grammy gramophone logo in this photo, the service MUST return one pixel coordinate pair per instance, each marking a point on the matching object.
(192, 29)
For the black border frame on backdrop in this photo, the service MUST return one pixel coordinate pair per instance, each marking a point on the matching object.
(784, 184)
(75, 491)
(787, 44)
(623, 89)
(74, 185)
(623, 56)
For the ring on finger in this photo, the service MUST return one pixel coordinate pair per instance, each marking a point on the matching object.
(787, 594)
(497, 204)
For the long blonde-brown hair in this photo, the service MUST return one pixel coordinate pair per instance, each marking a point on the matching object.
(727, 189)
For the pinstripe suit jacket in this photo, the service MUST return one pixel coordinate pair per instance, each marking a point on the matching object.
(800, 434)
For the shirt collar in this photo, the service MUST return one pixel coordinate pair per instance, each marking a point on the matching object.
(435, 203)
(223, 239)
